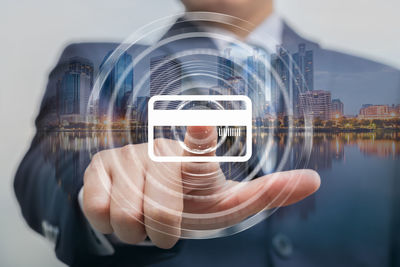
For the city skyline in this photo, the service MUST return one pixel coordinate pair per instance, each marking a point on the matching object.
(75, 83)
(296, 76)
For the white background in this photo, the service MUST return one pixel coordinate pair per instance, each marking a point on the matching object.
(33, 34)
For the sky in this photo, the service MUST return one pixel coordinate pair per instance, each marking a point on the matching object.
(35, 32)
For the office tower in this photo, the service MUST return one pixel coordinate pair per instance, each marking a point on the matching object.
(165, 79)
(70, 91)
(280, 80)
(122, 70)
(293, 75)
(81, 65)
(315, 104)
(226, 69)
(53, 96)
(74, 97)
(337, 108)
(303, 69)
(303, 73)
(165, 76)
(74, 90)
(256, 79)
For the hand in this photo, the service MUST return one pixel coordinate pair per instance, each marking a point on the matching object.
(128, 194)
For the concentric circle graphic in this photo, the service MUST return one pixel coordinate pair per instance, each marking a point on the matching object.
(200, 122)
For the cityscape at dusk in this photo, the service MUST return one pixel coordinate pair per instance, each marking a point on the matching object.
(294, 73)
(372, 131)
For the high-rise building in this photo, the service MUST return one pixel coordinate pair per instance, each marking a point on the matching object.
(69, 97)
(74, 97)
(337, 108)
(81, 65)
(121, 70)
(74, 90)
(225, 67)
(303, 72)
(280, 79)
(303, 69)
(165, 79)
(165, 76)
(315, 104)
(256, 78)
(290, 75)
(240, 74)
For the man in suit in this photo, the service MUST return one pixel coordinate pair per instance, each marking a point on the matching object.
(97, 231)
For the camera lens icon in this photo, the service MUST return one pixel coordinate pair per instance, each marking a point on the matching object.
(231, 115)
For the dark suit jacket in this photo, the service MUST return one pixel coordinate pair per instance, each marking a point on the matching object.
(349, 222)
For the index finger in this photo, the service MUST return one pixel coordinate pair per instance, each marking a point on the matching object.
(201, 141)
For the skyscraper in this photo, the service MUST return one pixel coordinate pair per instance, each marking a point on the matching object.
(74, 90)
(121, 68)
(81, 65)
(165, 76)
(225, 67)
(303, 72)
(280, 79)
(303, 69)
(165, 79)
(295, 74)
(256, 87)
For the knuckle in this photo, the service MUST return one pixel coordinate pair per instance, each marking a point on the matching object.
(164, 217)
(96, 210)
(90, 169)
(167, 243)
(87, 173)
(99, 157)
(128, 226)
(127, 152)
(96, 157)
(134, 237)
(125, 217)
(127, 149)
(94, 168)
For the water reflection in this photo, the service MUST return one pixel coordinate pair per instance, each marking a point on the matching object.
(336, 155)
(326, 148)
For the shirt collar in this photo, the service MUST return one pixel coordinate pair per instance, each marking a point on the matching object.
(267, 35)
